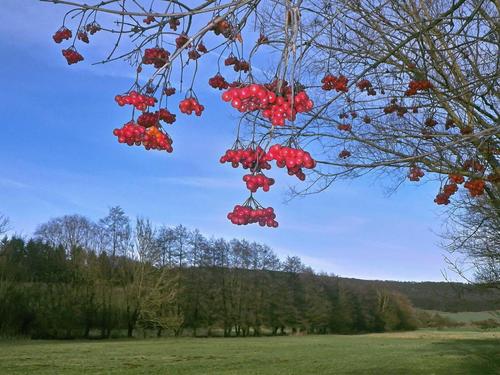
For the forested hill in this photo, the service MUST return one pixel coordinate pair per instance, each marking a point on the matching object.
(442, 296)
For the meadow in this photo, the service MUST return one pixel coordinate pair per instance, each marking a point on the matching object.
(419, 352)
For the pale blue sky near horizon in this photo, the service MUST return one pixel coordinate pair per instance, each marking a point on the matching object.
(58, 156)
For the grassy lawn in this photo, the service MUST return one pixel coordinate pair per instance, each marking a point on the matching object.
(420, 352)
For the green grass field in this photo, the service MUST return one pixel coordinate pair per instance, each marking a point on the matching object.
(420, 352)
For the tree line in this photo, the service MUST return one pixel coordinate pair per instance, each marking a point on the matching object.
(79, 278)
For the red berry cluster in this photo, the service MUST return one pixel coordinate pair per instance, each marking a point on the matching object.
(156, 139)
(155, 56)
(194, 54)
(182, 40)
(365, 84)
(475, 186)
(189, 105)
(344, 154)
(173, 23)
(92, 28)
(331, 82)
(218, 82)
(62, 34)
(393, 107)
(282, 109)
(259, 180)
(474, 165)
(149, 119)
(238, 65)
(415, 174)
(275, 108)
(139, 101)
(169, 91)
(151, 138)
(72, 56)
(148, 20)
(243, 215)
(83, 36)
(456, 178)
(430, 122)
(293, 159)
(345, 127)
(222, 27)
(417, 85)
(201, 47)
(249, 158)
(444, 196)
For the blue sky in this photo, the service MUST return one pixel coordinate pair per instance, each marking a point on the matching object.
(58, 156)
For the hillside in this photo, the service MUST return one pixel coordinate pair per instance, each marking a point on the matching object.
(442, 296)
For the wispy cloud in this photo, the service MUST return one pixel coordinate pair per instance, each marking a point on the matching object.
(9, 183)
(200, 182)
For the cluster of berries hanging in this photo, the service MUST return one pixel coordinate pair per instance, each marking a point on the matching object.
(139, 101)
(148, 119)
(277, 109)
(259, 180)
(155, 56)
(72, 56)
(253, 158)
(152, 138)
(190, 105)
(251, 212)
(415, 86)
(365, 84)
(218, 82)
(331, 82)
(256, 159)
(62, 34)
(294, 159)
(238, 65)
(415, 174)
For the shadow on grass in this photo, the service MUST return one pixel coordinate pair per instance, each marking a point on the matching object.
(480, 357)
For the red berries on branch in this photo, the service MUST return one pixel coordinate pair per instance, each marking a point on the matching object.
(275, 108)
(442, 198)
(151, 138)
(292, 158)
(253, 158)
(475, 186)
(344, 127)
(415, 86)
(246, 214)
(190, 105)
(259, 180)
(456, 178)
(72, 56)
(155, 56)
(130, 134)
(83, 36)
(331, 82)
(173, 23)
(148, 20)
(218, 82)
(139, 101)
(92, 28)
(415, 174)
(181, 41)
(169, 91)
(62, 34)
(365, 84)
(344, 154)
(157, 139)
(149, 119)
